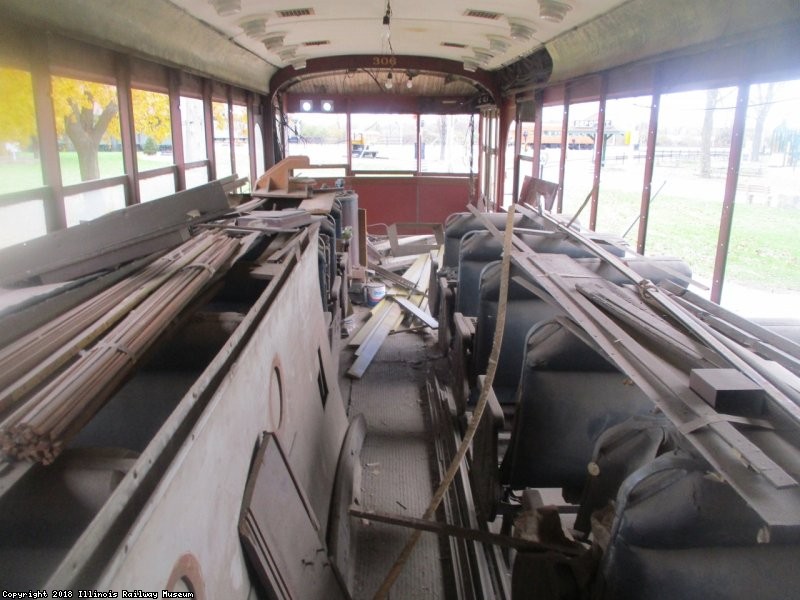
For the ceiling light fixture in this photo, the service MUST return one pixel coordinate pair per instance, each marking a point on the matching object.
(226, 8)
(410, 83)
(389, 84)
(327, 106)
(254, 27)
(521, 31)
(273, 41)
(553, 10)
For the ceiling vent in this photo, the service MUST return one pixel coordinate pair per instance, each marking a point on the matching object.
(453, 45)
(254, 27)
(295, 12)
(482, 14)
(552, 10)
(317, 43)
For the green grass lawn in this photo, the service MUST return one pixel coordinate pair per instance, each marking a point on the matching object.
(26, 172)
(764, 248)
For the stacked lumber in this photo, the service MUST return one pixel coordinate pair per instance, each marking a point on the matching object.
(388, 315)
(53, 380)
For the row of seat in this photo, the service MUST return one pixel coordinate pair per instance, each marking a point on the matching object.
(577, 423)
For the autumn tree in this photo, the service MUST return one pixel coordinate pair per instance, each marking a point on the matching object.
(86, 112)
(17, 117)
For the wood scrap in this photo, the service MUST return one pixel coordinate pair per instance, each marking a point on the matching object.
(416, 311)
(52, 414)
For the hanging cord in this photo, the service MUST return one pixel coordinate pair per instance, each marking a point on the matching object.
(491, 369)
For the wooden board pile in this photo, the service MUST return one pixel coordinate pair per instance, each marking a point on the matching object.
(54, 379)
(388, 315)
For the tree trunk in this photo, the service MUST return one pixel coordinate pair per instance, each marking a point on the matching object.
(85, 134)
(708, 132)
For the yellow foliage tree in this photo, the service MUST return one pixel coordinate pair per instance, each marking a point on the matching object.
(17, 117)
(86, 112)
(151, 114)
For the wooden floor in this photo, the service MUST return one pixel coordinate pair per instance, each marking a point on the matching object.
(397, 459)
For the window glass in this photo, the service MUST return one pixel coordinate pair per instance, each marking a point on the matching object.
(152, 188)
(153, 129)
(691, 162)
(87, 121)
(579, 164)
(21, 221)
(241, 142)
(762, 276)
(510, 159)
(90, 205)
(196, 176)
(320, 136)
(449, 144)
(525, 151)
(222, 140)
(259, 144)
(193, 127)
(622, 166)
(384, 142)
(20, 167)
(552, 118)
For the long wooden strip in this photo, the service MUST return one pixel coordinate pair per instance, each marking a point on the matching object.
(50, 417)
(417, 312)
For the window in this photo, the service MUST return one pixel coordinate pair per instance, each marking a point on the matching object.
(449, 143)
(87, 122)
(151, 120)
(579, 163)
(20, 167)
(762, 276)
(510, 161)
(622, 166)
(152, 188)
(222, 140)
(21, 221)
(384, 142)
(691, 161)
(259, 144)
(193, 128)
(321, 137)
(86, 206)
(241, 141)
(552, 117)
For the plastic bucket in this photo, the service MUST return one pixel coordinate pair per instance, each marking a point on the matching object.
(375, 293)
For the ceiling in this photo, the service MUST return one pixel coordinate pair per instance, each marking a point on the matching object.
(475, 32)
(341, 46)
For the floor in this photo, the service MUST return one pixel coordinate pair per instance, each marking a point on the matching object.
(397, 460)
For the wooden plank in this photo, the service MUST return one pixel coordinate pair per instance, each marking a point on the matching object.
(113, 238)
(416, 311)
(319, 204)
(279, 533)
